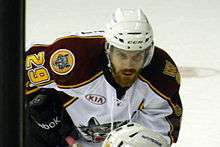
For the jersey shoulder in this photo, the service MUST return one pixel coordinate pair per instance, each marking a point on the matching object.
(69, 61)
(162, 74)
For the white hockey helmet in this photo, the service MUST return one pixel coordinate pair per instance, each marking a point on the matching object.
(134, 135)
(130, 30)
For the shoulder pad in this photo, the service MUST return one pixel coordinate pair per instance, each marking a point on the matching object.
(69, 61)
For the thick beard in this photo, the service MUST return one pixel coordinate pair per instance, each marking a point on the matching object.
(122, 80)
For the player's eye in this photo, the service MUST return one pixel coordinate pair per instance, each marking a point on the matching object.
(122, 55)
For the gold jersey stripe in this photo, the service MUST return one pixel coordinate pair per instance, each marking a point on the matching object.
(45, 83)
(158, 92)
(70, 102)
(171, 130)
(83, 83)
(165, 97)
(27, 92)
(40, 84)
(27, 84)
(141, 106)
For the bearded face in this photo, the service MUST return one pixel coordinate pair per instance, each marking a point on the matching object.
(126, 65)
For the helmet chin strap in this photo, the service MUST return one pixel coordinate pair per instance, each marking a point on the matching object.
(107, 51)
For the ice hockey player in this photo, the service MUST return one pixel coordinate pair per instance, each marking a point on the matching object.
(81, 87)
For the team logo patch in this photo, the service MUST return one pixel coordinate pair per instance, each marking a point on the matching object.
(178, 110)
(96, 99)
(94, 131)
(171, 71)
(178, 77)
(62, 61)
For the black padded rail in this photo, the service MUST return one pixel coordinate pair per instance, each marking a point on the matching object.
(11, 73)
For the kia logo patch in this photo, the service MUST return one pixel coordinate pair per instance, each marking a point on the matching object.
(96, 99)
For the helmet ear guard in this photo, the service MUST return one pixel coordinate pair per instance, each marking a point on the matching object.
(130, 30)
(150, 55)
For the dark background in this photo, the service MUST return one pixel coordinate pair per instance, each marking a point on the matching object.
(11, 72)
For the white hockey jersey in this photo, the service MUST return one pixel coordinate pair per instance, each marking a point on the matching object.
(77, 66)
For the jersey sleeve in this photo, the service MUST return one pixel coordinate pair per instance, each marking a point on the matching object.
(163, 77)
(69, 62)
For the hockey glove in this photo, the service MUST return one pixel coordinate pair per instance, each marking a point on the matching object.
(49, 119)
